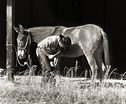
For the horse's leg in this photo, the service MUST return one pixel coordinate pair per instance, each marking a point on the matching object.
(93, 65)
(30, 65)
(99, 61)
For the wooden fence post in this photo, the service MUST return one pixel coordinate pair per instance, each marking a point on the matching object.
(9, 40)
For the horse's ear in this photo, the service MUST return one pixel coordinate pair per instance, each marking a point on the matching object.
(16, 29)
(21, 29)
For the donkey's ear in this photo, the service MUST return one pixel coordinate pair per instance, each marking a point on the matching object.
(16, 29)
(21, 29)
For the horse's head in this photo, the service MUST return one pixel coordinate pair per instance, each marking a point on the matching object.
(23, 42)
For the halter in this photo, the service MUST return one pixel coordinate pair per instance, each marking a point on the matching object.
(28, 37)
(26, 62)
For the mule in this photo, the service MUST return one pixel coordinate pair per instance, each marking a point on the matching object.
(89, 40)
(23, 50)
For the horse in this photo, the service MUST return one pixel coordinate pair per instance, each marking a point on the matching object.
(89, 40)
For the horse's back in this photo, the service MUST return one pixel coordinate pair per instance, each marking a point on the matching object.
(40, 33)
(84, 35)
(81, 32)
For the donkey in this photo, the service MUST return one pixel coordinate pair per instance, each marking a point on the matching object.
(89, 40)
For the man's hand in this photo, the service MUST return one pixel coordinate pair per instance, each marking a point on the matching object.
(54, 62)
(52, 56)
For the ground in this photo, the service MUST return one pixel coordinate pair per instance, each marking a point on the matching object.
(32, 90)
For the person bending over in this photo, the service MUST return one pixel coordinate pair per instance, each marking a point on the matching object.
(49, 48)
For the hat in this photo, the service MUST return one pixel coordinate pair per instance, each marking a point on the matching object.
(65, 41)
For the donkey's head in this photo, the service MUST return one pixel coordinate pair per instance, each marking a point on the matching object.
(23, 42)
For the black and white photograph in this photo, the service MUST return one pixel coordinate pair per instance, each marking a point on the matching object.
(62, 52)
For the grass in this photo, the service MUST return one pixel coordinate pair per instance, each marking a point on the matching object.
(66, 90)
(31, 90)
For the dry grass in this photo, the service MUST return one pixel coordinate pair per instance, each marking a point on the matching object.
(31, 90)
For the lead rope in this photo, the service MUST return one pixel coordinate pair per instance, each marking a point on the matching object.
(25, 63)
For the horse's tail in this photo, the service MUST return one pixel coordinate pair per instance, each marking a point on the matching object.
(105, 48)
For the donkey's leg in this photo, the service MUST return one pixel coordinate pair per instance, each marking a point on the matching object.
(58, 65)
(99, 61)
(93, 65)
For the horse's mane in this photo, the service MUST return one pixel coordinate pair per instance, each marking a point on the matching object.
(39, 33)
